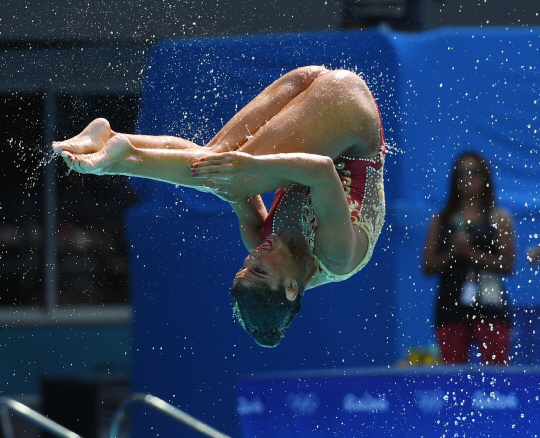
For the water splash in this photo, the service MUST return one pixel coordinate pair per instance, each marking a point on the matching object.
(34, 154)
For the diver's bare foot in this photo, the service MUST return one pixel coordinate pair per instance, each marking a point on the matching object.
(103, 162)
(90, 140)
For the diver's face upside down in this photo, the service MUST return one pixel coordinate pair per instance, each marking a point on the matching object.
(267, 290)
(275, 264)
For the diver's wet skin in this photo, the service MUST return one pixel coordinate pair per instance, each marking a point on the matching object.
(90, 140)
(325, 166)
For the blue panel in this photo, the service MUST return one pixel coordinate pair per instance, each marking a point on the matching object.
(462, 89)
(186, 347)
(439, 93)
(470, 89)
(186, 246)
(496, 403)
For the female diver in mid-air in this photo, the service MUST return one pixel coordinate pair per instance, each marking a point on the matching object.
(315, 136)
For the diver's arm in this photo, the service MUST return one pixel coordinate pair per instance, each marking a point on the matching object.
(301, 168)
(339, 246)
(251, 213)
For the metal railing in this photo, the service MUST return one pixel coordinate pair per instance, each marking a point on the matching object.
(8, 405)
(164, 407)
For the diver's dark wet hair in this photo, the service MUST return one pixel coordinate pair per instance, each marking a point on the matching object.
(263, 312)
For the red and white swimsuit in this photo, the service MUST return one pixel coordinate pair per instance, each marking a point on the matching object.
(363, 184)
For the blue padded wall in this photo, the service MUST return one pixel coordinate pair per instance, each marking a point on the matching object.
(186, 246)
(439, 92)
(461, 89)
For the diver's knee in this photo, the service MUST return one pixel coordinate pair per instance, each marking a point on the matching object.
(340, 80)
(304, 76)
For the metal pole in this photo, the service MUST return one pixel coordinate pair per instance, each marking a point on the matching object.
(36, 418)
(165, 408)
(5, 419)
(50, 201)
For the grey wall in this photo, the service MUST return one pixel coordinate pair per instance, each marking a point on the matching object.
(158, 19)
(151, 20)
(482, 13)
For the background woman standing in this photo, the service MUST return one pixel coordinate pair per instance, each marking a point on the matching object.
(470, 244)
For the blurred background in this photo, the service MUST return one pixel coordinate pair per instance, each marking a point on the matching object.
(66, 277)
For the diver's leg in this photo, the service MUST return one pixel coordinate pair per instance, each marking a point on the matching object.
(233, 135)
(271, 101)
(90, 140)
(335, 115)
(140, 141)
(120, 157)
(96, 135)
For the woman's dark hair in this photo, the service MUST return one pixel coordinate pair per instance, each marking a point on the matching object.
(487, 198)
(263, 312)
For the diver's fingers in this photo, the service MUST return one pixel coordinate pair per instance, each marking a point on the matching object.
(210, 161)
(76, 162)
(217, 169)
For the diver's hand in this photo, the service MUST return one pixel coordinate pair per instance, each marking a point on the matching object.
(104, 162)
(225, 167)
